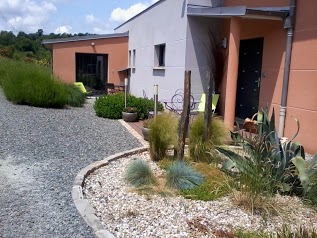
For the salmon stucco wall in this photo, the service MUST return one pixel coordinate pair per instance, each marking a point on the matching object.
(302, 96)
(64, 65)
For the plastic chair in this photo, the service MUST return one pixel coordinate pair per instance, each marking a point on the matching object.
(201, 105)
(81, 87)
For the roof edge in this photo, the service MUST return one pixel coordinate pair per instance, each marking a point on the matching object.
(137, 15)
(83, 38)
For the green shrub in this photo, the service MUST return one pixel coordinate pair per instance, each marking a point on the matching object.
(182, 176)
(111, 106)
(219, 136)
(75, 97)
(163, 133)
(139, 173)
(30, 84)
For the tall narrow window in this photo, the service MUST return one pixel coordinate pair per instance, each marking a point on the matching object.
(130, 64)
(159, 58)
(134, 58)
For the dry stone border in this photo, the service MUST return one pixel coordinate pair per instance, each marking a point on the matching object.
(82, 204)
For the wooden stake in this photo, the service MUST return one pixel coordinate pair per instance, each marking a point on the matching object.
(184, 121)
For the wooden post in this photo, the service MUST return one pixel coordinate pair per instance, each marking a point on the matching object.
(184, 121)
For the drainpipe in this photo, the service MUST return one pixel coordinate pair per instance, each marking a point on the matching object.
(290, 24)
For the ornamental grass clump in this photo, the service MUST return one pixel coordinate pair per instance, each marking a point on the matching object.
(75, 97)
(163, 134)
(139, 173)
(204, 150)
(182, 176)
(30, 84)
(301, 232)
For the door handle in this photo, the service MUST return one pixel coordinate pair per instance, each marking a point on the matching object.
(258, 81)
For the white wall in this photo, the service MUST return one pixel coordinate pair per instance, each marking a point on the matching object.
(165, 23)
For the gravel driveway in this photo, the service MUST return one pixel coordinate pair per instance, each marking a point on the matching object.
(41, 151)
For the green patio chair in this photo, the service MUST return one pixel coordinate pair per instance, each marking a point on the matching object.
(201, 105)
(81, 87)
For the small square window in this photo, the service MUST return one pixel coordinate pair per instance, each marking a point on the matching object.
(159, 58)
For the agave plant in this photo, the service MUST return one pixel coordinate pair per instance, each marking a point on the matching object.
(266, 149)
(306, 171)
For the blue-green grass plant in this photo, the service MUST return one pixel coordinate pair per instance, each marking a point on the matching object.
(182, 176)
(139, 173)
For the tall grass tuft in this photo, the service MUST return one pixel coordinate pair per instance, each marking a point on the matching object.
(301, 232)
(182, 176)
(30, 84)
(139, 173)
(219, 136)
(163, 133)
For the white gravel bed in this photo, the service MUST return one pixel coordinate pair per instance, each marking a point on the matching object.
(126, 214)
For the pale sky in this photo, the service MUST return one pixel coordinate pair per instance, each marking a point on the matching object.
(69, 16)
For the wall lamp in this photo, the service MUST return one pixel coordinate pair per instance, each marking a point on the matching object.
(92, 43)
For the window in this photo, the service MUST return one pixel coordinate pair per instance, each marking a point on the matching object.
(130, 63)
(159, 59)
(134, 58)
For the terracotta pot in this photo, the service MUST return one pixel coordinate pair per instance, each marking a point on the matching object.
(129, 117)
(145, 132)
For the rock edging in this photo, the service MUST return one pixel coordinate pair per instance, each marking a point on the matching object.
(82, 204)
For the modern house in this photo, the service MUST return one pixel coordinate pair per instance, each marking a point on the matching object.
(94, 60)
(271, 49)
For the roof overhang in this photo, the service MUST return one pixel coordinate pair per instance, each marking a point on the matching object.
(83, 38)
(270, 13)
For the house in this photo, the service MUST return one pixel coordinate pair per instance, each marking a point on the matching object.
(271, 49)
(94, 60)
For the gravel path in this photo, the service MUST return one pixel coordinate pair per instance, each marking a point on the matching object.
(41, 151)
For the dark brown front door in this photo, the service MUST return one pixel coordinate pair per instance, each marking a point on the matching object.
(249, 77)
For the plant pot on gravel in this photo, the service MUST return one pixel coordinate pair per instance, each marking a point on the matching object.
(130, 114)
(146, 129)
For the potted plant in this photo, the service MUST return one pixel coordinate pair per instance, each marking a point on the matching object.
(146, 129)
(129, 114)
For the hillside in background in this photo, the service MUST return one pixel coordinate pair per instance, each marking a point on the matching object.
(28, 47)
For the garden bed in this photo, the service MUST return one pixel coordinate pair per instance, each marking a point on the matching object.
(126, 213)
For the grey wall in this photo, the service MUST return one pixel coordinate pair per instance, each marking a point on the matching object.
(197, 47)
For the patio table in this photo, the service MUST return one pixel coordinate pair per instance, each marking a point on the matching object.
(177, 106)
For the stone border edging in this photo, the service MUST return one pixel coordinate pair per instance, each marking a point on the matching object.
(82, 204)
(134, 133)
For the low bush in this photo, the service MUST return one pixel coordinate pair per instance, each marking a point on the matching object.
(29, 84)
(163, 133)
(203, 151)
(182, 176)
(111, 106)
(139, 173)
